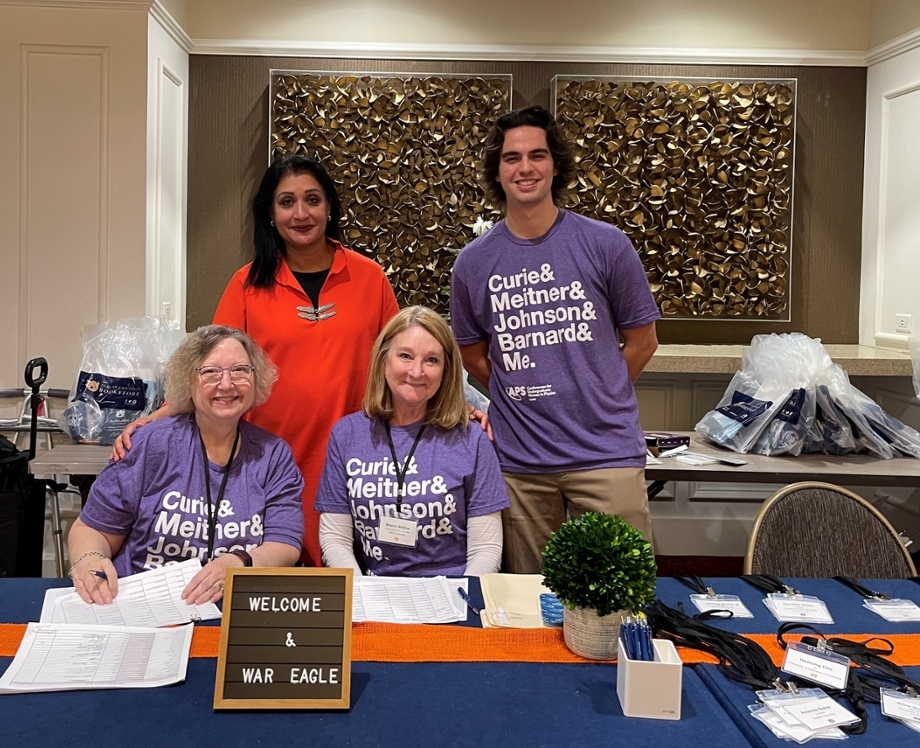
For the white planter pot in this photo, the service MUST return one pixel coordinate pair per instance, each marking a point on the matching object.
(589, 635)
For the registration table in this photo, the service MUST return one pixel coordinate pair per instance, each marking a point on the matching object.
(392, 704)
(441, 703)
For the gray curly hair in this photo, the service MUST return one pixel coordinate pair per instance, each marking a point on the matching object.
(180, 371)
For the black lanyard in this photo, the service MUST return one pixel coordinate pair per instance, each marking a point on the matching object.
(697, 585)
(401, 475)
(861, 589)
(212, 509)
(769, 583)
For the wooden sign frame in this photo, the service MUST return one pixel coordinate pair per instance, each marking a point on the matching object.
(261, 608)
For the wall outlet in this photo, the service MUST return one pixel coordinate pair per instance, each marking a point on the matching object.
(166, 310)
(902, 323)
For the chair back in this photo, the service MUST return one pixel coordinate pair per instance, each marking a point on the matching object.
(819, 530)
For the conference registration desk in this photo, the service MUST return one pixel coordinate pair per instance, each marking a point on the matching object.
(497, 700)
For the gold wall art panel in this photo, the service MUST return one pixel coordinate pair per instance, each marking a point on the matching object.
(699, 174)
(404, 152)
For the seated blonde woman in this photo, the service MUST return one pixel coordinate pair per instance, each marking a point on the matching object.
(202, 484)
(409, 481)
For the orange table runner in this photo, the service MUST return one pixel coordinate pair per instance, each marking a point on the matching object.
(391, 642)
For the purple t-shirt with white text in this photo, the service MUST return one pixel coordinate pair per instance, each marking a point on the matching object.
(453, 475)
(156, 498)
(550, 309)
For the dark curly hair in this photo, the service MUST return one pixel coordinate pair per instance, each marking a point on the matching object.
(560, 149)
(269, 247)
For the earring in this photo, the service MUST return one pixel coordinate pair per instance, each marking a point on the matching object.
(329, 217)
(272, 223)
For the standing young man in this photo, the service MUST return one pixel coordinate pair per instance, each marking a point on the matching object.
(536, 305)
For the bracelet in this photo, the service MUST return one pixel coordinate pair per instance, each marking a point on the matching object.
(85, 555)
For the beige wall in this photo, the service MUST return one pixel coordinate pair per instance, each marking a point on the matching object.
(714, 24)
(179, 10)
(72, 175)
(890, 19)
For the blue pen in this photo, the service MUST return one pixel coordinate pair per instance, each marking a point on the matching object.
(628, 636)
(98, 573)
(645, 639)
(466, 599)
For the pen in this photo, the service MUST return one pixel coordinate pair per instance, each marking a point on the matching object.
(466, 599)
(676, 450)
(98, 573)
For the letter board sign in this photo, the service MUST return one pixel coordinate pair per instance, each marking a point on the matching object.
(285, 640)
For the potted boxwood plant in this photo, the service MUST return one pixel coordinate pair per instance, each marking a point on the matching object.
(601, 568)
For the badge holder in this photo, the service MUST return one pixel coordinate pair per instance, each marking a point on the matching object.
(650, 689)
(797, 608)
(712, 601)
(818, 664)
(904, 706)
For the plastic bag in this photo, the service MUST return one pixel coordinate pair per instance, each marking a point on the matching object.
(791, 397)
(788, 360)
(742, 413)
(473, 396)
(121, 376)
(913, 343)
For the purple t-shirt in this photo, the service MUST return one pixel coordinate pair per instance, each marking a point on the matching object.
(156, 498)
(550, 308)
(453, 475)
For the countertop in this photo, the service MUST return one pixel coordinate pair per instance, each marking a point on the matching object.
(856, 360)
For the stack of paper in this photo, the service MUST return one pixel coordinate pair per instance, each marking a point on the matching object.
(408, 600)
(512, 600)
(82, 646)
(151, 598)
(65, 657)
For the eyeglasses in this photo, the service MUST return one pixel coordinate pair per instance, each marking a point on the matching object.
(239, 374)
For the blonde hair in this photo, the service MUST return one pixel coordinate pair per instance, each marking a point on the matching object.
(180, 371)
(447, 408)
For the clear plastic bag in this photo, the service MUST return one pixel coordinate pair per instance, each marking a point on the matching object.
(791, 397)
(120, 378)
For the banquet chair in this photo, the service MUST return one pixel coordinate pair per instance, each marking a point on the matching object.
(813, 529)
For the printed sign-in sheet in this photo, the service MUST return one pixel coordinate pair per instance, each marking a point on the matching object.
(405, 600)
(151, 598)
(65, 657)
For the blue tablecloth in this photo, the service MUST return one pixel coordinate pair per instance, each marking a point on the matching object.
(845, 605)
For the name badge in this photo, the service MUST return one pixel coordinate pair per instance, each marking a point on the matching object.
(801, 608)
(827, 668)
(731, 603)
(398, 531)
(894, 610)
(900, 706)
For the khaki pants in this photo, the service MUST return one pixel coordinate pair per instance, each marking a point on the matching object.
(540, 503)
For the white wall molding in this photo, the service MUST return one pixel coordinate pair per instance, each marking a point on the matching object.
(537, 53)
(33, 330)
(82, 4)
(171, 26)
(897, 46)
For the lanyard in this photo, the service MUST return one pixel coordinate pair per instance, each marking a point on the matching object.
(697, 585)
(861, 589)
(769, 583)
(212, 509)
(401, 475)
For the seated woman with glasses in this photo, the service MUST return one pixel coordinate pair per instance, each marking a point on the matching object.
(201, 484)
(409, 481)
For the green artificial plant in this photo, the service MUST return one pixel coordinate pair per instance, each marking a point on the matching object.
(600, 561)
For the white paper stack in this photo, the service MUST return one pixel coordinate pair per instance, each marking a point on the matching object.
(408, 600)
(67, 657)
